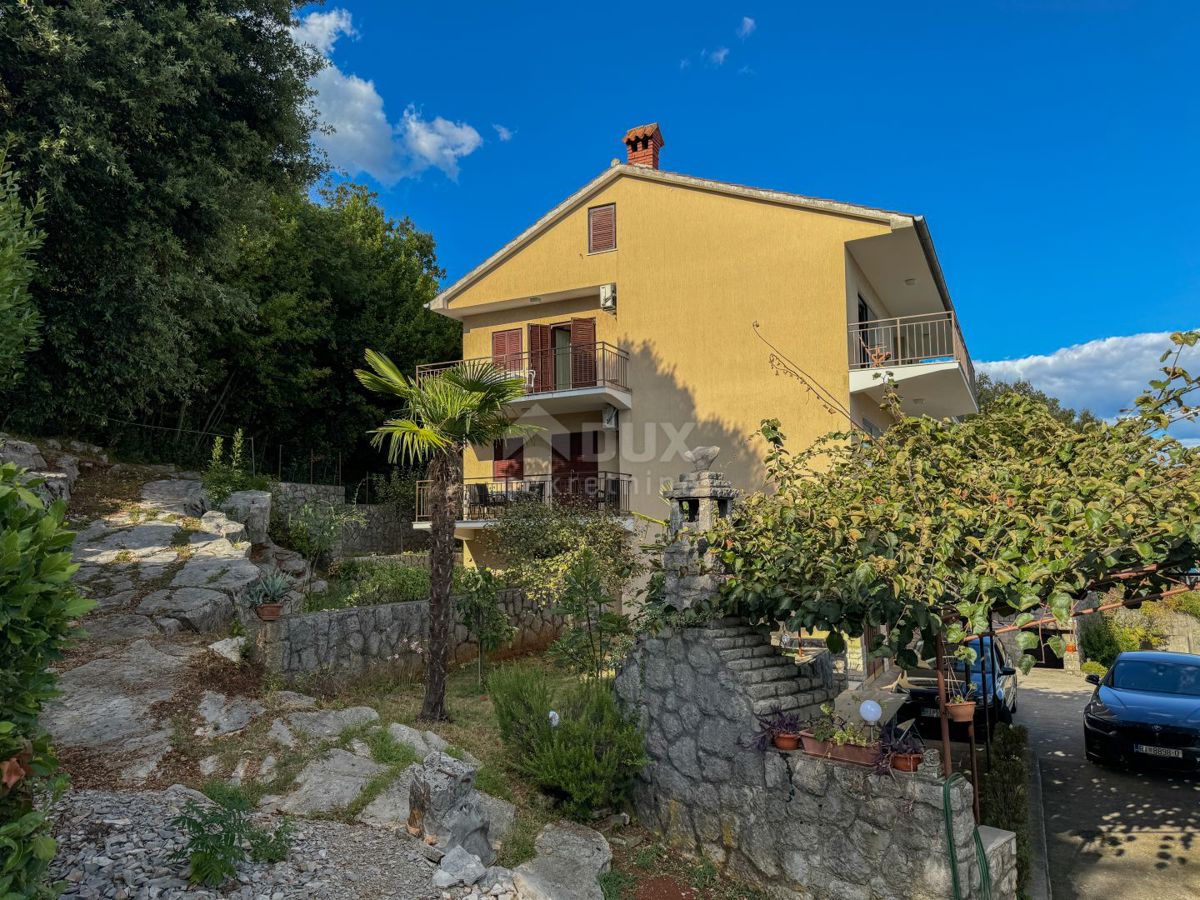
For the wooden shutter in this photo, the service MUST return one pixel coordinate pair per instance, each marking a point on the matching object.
(602, 228)
(506, 349)
(508, 458)
(583, 353)
(541, 357)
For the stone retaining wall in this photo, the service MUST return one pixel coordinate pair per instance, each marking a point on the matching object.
(798, 826)
(388, 635)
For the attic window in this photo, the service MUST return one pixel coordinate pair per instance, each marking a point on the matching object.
(602, 228)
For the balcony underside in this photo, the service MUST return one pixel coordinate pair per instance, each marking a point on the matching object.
(937, 389)
(578, 399)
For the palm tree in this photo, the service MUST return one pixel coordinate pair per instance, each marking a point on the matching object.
(442, 414)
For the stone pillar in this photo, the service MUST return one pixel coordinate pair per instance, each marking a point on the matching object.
(699, 499)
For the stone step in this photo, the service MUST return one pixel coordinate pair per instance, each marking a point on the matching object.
(773, 689)
(774, 674)
(783, 704)
(734, 631)
(746, 640)
(783, 663)
(747, 652)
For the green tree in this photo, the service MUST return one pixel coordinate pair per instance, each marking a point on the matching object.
(325, 278)
(989, 392)
(157, 131)
(19, 239)
(441, 416)
(927, 529)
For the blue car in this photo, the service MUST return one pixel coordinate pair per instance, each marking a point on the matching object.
(1146, 709)
(998, 702)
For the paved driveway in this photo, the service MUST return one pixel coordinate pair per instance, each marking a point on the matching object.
(1110, 834)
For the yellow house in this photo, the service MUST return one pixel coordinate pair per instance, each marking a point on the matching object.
(643, 311)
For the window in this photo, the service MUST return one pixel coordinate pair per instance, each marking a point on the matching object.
(508, 458)
(602, 228)
(506, 349)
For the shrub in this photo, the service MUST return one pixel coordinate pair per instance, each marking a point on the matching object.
(1107, 634)
(38, 609)
(1004, 793)
(216, 837)
(596, 636)
(478, 608)
(223, 478)
(366, 582)
(316, 527)
(585, 757)
(1091, 667)
(270, 588)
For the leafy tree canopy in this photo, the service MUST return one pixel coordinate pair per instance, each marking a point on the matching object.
(989, 393)
(156, 130)
(19, 238)
(932, 526)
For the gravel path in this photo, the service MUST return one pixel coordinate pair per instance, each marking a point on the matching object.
(121, 846)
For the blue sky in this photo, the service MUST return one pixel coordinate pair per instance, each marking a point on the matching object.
(1052, 144)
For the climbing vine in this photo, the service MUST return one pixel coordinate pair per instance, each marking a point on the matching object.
(935, 525)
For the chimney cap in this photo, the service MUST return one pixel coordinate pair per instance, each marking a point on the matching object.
(650, 130)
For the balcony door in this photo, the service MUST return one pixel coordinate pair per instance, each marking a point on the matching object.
(573, 465)
(563, 355)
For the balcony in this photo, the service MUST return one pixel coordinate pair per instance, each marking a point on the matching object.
(483, 500)
(924, 354)
(562, 379)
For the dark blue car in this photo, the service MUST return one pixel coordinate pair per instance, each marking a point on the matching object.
(1146, 709)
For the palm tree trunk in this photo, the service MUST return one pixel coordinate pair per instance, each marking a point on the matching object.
(445, 491)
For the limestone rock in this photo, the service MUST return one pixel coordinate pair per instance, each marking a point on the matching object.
(230, 648)
(445, 808)
(327, 724)
(281, 734)
(174, 495)
(329, 782)
(568, 861)
(22, 454)
(252, 509)
(118, 627)
(218, 524)
(198, 608)
(225, 715)
(458, 867)
(218, 573)
(390, 809)
(501, 816)
(292, 700)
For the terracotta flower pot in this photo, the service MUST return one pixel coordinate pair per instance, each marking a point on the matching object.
(812, 746)
(269, 612)
(1071, 648)
(961, 712)
(859, 756)
(786, 741)
(907, 762)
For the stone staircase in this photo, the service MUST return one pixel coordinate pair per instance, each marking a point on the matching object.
(770, 679)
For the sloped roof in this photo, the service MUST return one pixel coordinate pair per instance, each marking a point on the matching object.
(833, 207)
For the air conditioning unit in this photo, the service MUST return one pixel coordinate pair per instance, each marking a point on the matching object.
(608, 297)
(611, 417)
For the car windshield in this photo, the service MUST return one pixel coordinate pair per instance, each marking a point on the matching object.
(1156, 677)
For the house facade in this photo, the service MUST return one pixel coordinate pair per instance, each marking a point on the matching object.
(643, 313)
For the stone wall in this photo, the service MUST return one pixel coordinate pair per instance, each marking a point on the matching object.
(387, 635)
(799, 826)
(381, 530)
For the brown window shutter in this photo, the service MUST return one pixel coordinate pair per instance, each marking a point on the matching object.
(506, 349)
(508, 458)
(602, 228)
(541, 357)
(583, 352)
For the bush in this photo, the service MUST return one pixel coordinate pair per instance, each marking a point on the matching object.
(216, 836)
(587, 758)
(1091, 667)
(1004, 793)
(596, 636)
(223, 478)
(366, 582)
(478, 608)
(38, 609)
(1107, 634)
(316, 527)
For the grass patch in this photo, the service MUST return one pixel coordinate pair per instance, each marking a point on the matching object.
(231, 796)
(123, 556)
(365, 581)
(617, 885)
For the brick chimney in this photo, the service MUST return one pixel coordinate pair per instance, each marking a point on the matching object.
(643, 144)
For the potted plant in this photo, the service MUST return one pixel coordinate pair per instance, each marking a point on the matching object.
(266, 595)
(782, 729)
(901, 748)
(835, 737)
(960, 706)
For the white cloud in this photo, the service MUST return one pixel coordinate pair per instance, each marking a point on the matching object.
(439, 142)
(1104, 376)
(717, 57)
(359, 138)
(746, 28)
(684, 63)
(322, 29)
(505, 134)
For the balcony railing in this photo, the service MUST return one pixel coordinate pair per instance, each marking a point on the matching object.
(556, 369)
(484, 499)
(908, 341)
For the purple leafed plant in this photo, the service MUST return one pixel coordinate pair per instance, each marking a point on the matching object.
(774, 721)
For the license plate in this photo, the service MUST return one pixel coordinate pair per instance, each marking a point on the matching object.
(1169, 752)
(930, 712)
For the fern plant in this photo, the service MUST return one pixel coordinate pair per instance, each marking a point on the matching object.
(215, 838)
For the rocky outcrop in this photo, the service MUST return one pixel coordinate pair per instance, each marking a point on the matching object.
(444, 807)
(569, 860)
(253, 510)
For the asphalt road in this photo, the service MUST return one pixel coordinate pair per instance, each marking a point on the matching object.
(1110, 834)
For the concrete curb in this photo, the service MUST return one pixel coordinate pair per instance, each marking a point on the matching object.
(1039, 856)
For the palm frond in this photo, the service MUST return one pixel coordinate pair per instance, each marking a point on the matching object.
(409, 441)
(386, 377)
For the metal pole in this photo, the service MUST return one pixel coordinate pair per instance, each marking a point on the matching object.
(987, 695)
(940, 649)
(974, 767)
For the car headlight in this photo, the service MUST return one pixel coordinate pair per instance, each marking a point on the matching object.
(1097, 710)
